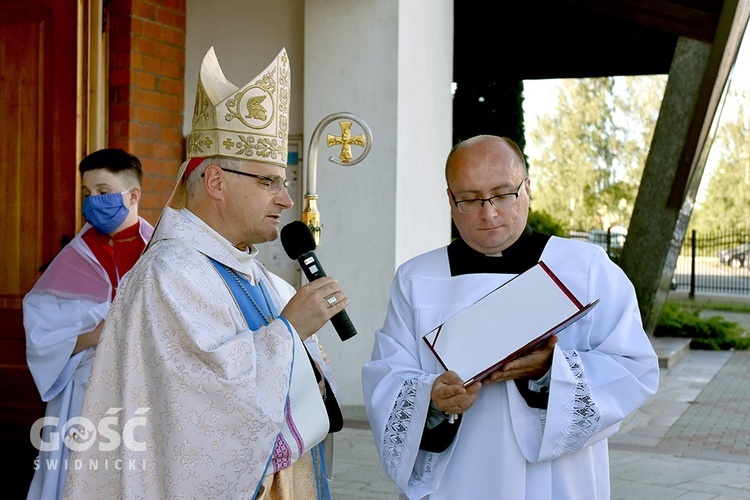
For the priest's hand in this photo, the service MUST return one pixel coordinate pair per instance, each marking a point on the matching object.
(449, 394)
(308, 310)
(531, 366)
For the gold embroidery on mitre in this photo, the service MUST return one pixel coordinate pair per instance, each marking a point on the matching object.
(248, 123)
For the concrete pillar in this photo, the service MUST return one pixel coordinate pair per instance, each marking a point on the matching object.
(687, 121)
(389, 62)
(654, 240)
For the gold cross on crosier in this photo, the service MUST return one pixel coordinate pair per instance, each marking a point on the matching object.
(346, 140)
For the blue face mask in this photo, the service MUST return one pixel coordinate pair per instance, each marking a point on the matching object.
(106, 212)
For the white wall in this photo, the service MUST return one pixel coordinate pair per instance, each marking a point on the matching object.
(425, 125)
(246, 35)
(388, 61)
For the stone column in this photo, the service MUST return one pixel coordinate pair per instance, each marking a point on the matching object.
(687, 120)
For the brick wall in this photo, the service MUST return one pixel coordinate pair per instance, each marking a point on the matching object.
(147, 71)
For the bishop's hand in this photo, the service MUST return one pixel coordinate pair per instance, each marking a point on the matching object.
(310, 308)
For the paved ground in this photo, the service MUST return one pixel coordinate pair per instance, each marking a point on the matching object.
(691, 441)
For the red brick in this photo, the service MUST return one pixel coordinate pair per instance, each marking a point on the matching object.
(136, 60)
(145, 80)
(164, 51)
(173, 36)
(152, 64)
(148, 183)
(179, 21)
(174, 5)
(152, 30)
(143, 46)
(171, 69)
(171, 167)
(163, 151)
(171, 135)
(147, 64)
(165, 16)
(135, 129)
(167, 86)
(151, 99)
(151, 133)
(136, 26)
(136, 95)
(149, 201)
(164, 185)
(170, 103)
(168, 169)
(162, 118)
(141, 149)
(148, 164)
(143, 114)
(144, 10)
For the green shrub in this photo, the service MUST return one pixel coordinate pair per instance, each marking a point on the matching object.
(545, 223)
(713, 334)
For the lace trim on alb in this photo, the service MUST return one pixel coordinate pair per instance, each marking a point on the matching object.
(583, 418)
(394, 450)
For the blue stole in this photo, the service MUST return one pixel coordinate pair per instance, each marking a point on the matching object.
(255, 321)
(251, 314)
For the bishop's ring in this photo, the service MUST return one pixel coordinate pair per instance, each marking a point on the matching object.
(331, 300)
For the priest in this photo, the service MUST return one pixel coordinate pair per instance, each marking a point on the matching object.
(209, 381)
(536, 428)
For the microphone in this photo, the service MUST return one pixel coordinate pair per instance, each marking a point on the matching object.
(299, 245)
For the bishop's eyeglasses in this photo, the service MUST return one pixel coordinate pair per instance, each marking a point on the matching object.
(274, 184)
(474, 205)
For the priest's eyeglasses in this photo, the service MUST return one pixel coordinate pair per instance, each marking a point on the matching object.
(498, 201)
(274, 183)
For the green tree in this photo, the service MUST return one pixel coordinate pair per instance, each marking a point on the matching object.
(727, 203)
(588, 153)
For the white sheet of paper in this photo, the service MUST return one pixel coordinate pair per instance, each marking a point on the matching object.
(501, 323)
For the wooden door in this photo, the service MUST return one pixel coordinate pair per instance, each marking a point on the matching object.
(38, 185)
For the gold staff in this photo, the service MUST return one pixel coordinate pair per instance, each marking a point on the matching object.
(310, 214)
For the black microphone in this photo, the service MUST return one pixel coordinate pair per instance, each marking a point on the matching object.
(299, 245)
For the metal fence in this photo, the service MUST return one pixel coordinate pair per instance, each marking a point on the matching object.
(708, 263)
(714, 263)
(611, 240)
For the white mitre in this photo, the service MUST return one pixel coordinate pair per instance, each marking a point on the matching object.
(247, 123)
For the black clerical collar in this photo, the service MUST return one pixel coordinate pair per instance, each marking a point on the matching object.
(517, 258)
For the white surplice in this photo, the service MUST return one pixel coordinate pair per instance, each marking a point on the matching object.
(198, 398)
(603, 368)
(70, 299)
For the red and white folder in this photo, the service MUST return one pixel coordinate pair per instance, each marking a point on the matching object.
(505, 324)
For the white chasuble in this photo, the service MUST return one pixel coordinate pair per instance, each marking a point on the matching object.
(603, 368)
(196, 398)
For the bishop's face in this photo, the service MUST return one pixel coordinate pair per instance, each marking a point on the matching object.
(481, 170)
(256, 207)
